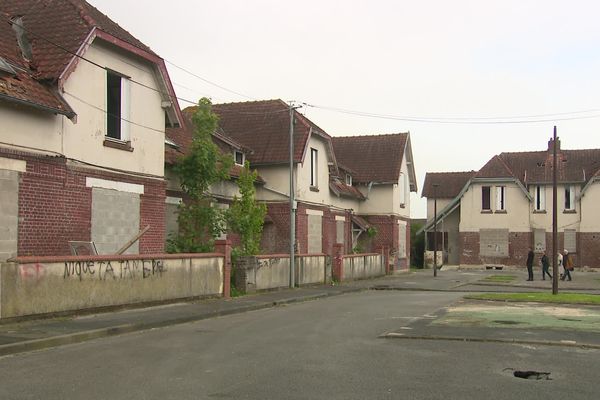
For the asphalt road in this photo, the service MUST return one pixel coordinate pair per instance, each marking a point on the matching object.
(324, 349)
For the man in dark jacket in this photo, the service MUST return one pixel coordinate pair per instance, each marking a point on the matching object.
(545, 267)
(530, 257)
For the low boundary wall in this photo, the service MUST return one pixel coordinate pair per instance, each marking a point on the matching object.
(272, 271)
(359, 266)
(47, 285)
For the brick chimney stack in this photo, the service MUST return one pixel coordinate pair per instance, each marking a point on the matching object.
(551, 145)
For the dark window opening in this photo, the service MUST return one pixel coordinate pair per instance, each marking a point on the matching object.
(485, 198)
(113, 106)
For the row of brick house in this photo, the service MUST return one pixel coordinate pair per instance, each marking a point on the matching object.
(91, 128)
(343, 185)
(492, 216)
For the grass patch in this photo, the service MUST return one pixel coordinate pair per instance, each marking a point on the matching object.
(500, 278)
(564, 298)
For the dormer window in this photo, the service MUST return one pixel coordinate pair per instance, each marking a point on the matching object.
(348, 179)
(239, 157)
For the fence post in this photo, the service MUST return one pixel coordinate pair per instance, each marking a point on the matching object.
(385, 256)
(224, 247)
(338, 269)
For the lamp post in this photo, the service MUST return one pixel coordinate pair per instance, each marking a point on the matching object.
(435, 186)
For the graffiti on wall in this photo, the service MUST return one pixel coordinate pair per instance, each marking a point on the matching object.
(122, 269)
(32, 271)
(268, 262)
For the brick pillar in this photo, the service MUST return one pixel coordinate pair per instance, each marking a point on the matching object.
(385, 254)
(338, 270)
(224, 247)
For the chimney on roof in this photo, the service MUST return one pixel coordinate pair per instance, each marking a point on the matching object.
(22, 40)
(551, 145)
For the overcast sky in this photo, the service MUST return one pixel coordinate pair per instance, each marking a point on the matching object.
(442, 60)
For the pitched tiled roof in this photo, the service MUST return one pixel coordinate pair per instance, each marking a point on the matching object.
(21, 87)
(536, 166)
(182, 137)
(450, 183)
(343, 190)
(264, 127)
(376, 158)
(574, 166)
(65, 23)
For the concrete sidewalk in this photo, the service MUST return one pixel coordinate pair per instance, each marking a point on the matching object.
(31, 335)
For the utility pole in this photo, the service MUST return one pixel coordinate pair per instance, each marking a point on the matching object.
(435, 186)
(554, 219)
(292, 203)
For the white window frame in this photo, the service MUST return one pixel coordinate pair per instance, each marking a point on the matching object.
(500, 198)
(125, 110)
(570, 195)
(235, 154)
(539, 198)
(348, 179)
(314, 167)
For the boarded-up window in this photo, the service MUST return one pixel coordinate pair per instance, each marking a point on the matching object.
(115, 220)
(402, 240)
(571, 240)
(339, 232)
(9, 213)
(315, 234)
(493, 242)
(539, 240)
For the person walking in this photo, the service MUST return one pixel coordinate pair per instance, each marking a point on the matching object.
(530, 257)
(545, 267)
(559, 262)
(567, 265)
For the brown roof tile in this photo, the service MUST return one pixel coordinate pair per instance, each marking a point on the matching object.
(22, 87)
(375, 158)
(341, 189)
(450, 183)
(264, 127)
(65, 23)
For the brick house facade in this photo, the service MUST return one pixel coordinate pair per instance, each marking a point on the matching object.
(337, 202)
(81, 150)
(492, 216)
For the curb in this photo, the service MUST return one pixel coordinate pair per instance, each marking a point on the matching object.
(563, 343)
(78, 337)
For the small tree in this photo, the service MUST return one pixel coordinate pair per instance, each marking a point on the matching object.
(200, 223)
(245, 216)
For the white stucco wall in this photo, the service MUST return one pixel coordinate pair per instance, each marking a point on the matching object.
(441, 204)
(516, 217)
(83, 140)
(590, 212)
(565, 220)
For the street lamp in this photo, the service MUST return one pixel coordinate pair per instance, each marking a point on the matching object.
(435, 186)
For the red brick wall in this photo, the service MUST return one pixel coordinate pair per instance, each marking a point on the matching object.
(518, 244)
(276, 233)
(588, 249)
(55, 206)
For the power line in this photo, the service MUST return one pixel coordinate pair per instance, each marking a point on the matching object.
(459, 120)
(207, 81)
(418, 119)
(113, 115)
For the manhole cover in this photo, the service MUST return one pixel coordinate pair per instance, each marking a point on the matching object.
(503, 322)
